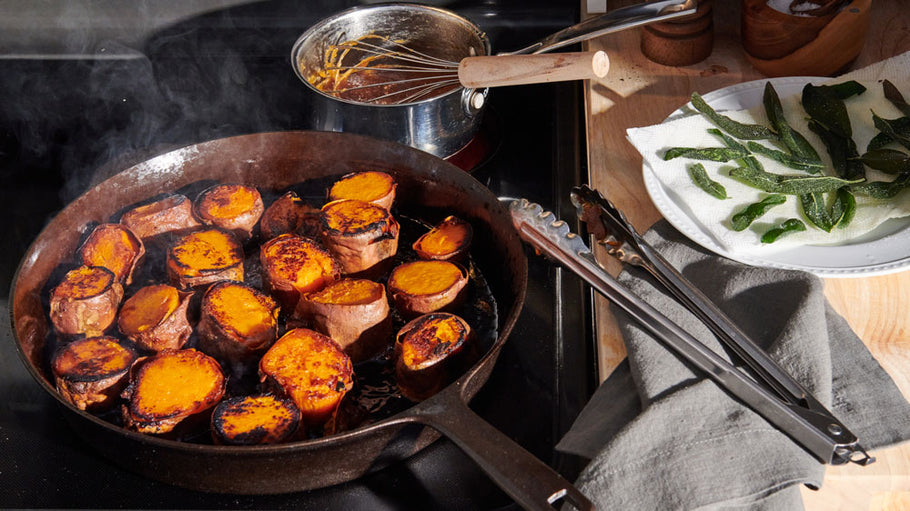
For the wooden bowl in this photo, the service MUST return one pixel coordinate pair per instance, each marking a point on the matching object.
(779, 44)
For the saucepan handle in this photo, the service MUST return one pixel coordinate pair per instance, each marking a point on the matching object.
(529, 481)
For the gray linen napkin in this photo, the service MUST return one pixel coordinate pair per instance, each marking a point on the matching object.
(661, 436)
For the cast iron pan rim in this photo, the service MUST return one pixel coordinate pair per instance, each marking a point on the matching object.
(403, 417)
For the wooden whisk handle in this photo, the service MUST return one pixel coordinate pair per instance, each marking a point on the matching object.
(500, 70)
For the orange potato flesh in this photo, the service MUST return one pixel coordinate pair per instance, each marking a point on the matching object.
(230, 206)
(348, 292)
(312, 370)
(147, 308)
(360, 234)
(294, 265)
(354, 313)
(425, 277)
(173, 213)
(85, 282)
(203, 257)
(429, 354)
(449, 240)
(115, 247)
(91, 372)
(290, 214)
(351, 216)
(85, 301)
(254, 420)
(237, 321)
(369, 186)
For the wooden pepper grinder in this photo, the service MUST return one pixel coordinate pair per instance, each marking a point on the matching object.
(682, 41)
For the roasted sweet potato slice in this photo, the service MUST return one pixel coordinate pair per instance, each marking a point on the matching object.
(293, 265)
(155, 318)
(203, 257)
(312, 370)
(353, 312)
(115, 247)
(360, 234)
(85, 301)
(254, 420)
(449, 240)
(171, 214)
(170, 389)
(290, 214)
(369, 186)
(232, 207)
(91, 372)
(427, 353)
(237, 322)
(420, 287)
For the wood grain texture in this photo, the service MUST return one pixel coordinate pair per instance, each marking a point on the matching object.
(639, 92)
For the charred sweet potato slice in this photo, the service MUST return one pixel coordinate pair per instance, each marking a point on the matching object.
(115, 247)
(85, 301)
(91, 372)
(155, 318)
(421, 287)
(360, 234)
(203, 257)
(232, 207)
(312, 370)
(237, 322)
(290, 214)
(369, 186)
(254, 420)
(427, 353)
(171, 214)
(353, 312)
(293, 265)
(170, 389)
(449, 240)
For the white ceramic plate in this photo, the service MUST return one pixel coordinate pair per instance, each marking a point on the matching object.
(884, 250)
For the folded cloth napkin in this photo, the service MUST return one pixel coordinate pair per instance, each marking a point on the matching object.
(712, 217)
(662, 436)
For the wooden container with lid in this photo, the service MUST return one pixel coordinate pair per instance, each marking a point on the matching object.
(682, 41)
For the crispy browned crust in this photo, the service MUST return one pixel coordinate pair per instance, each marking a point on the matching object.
(293, 265)
(114, 247)
(237, 322)
(254, 420)
(85, 301)
(171, 388)
(171, 214)
(450, 240)
(312, 370)
(290, 214)
(413, 295)
(428, 353)
(90, 373)
(232, 207)
(370, 186)
(353, 312)
(155, 317)
(360, 234)
(203, 257)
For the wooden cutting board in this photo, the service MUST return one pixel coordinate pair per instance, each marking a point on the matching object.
(638, 92)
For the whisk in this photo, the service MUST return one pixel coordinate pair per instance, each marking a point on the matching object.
(378, 69)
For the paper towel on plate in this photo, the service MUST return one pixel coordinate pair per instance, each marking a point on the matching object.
(713, 215)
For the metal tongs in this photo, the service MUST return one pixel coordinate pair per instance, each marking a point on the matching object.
(770, 390)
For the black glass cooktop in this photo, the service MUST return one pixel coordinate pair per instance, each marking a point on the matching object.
(68, 122)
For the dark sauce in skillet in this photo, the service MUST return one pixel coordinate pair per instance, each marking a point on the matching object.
(375, 395)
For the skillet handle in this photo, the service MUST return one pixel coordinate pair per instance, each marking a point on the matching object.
(529, 481)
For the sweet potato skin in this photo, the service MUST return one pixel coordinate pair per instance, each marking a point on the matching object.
(232, 207)
(91, 372)
(360, 324)
(450, 240)
(254, 420)
(170, 214)
(165, 326)
(290, 214)
(420, 287)
(360, 234)
(170, 389)
(312, 370)
(428, 353)
(237, 322)
(115, 247)
(203, 257)
(85, 301)
(293, 265)
(369, 186)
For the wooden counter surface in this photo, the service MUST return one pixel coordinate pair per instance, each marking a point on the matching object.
(638, 92)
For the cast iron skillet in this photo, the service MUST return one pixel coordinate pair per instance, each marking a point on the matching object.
(429, 188)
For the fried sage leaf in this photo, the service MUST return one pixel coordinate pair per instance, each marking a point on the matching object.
(844, 208)
(787, 184)
(901, 125)
(720, 154)
(889, 161)
(792, 139)
(737, 129)
(750, 213)
(887, 126)
(790, 160)
(842, 150)
(816, 210)
(893, 95)
(789, 225)
(700, 177)
(847, 89)
(882, 189)
(747, 161)
(825, 107)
